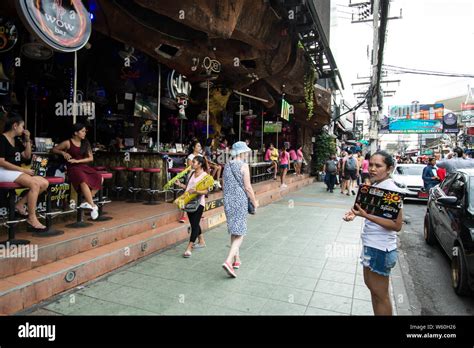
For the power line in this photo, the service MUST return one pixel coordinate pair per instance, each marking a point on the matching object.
(402, 70)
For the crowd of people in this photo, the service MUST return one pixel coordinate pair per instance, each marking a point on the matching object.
(348, 170)
(283, 160)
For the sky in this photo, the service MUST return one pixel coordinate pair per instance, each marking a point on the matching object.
(432, 35)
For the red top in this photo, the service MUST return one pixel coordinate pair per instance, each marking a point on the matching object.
(441, 172)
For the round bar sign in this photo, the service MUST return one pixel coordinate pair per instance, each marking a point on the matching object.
(63, 25)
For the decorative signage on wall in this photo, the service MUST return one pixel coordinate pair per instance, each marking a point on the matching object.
(63, 25)
(8, 35)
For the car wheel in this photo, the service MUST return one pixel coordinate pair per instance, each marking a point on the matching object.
(459, 272)
(428, 233)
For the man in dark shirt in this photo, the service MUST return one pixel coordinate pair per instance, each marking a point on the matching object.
(330, 168)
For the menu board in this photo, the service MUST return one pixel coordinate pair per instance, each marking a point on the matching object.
(380, 202)
(39, 165)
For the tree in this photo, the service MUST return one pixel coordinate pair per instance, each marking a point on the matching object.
(324, 147)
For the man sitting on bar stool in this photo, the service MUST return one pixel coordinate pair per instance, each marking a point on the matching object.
(85, 179)
(12, 149)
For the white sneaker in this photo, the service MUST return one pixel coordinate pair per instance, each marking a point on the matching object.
(86, 205)
(218, 184)
(95, 213)
(284, 186)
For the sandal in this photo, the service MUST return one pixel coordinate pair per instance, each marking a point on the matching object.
(187, 254)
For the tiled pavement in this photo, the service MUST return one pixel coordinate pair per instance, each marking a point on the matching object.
(299, 258)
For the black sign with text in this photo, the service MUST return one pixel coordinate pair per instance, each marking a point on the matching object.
(380, 202)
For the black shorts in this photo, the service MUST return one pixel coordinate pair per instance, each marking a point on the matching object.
(350, 174)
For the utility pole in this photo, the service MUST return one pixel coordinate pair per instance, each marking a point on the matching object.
(374, 108)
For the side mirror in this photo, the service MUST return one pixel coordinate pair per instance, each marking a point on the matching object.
(450, 200)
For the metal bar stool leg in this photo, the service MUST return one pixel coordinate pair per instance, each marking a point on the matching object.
(80, 223)
(50, 232)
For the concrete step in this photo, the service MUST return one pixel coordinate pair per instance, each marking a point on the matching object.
(114, 247)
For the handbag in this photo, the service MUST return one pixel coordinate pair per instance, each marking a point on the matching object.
(250, 206)
(192, 206)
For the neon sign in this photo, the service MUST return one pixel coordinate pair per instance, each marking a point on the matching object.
(64, 25)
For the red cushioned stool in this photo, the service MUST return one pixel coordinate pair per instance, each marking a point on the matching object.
(151, 190)
(133, 183)
(100, 168)
(118, 179)
(9, 188)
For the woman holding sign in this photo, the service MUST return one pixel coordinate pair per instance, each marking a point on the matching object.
(15, 144)
(379, 236)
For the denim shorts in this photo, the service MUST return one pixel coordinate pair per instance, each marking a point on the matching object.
(378, 261)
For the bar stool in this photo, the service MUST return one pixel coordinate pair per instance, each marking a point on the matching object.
(151, 191)
(100, 168)
(117, 188)
(11, 223)
(50, 232)
(101, 199)
(133, 175)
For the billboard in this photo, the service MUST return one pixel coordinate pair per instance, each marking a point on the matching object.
(413, 119)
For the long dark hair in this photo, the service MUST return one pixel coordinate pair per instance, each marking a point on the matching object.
(85, 145)
(202, 161)
(11, 120)
(192, 146)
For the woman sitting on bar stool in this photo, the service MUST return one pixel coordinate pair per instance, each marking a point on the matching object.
(77, 152)
(12, 149)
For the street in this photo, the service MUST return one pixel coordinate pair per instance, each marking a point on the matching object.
(429, 270)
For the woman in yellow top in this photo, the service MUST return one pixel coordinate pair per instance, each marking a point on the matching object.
(271, 155)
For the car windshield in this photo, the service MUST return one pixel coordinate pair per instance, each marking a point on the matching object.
(409, 170)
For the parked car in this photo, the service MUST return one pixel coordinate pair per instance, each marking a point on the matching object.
(409, 178)
(449, 220)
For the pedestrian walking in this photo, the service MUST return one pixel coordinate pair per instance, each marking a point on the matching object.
(340, 169)
(379, 237)
(199, 166)
(284, 165)
(237, 194)
(429, 175)
(351, 170)
(330, 170)
(365, 170)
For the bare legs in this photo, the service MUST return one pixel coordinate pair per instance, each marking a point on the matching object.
(36, 185)
(235, 243)
(378, 286)
(88, 194)
(283, 176)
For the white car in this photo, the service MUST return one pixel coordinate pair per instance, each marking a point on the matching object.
(409, 178)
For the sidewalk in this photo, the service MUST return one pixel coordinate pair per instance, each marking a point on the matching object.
(299, 258)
